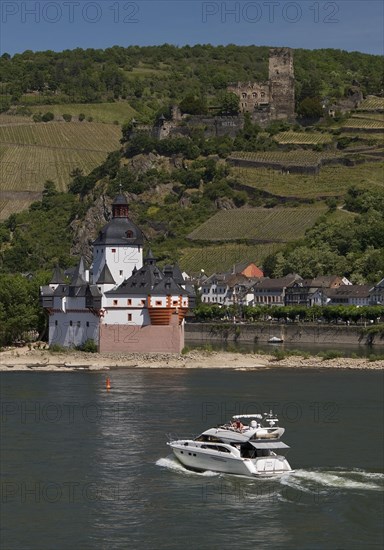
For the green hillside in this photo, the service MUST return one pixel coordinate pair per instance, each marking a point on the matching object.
(305, 194)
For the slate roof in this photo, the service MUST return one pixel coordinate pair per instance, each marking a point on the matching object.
(78, 277)
(177, 275)
(142, 280)
(117, 232)
(168, 286)
(57, 276)
(275, 284)
(120, 229)
(348, 291)
(105, 277)
(150, 279)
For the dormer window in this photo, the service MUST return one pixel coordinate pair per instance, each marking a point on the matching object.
(129, 234)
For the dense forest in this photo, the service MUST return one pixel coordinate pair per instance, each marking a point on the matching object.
(150, 78)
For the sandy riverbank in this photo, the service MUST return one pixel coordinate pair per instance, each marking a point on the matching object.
(23, 359)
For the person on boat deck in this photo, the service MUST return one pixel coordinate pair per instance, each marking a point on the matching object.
(238, 425)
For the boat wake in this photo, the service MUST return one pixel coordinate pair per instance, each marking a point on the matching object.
(339, 479)
(172, 464)
(316, 481)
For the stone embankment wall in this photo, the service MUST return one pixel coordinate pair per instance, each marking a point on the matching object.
(291, 333)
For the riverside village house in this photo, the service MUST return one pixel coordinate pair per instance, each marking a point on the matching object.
(124, 302)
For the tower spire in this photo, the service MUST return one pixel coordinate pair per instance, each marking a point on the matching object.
(120, 205)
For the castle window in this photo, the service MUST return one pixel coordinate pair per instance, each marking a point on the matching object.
(70, 323)
(129, 302)
(158, 302)
(78, 323)
(121, 273)
(87, 323)
(113, 250)
(254, 95)
(129, 316)
(115, 302)
(175, 302)
(55, 323)
(244, 95)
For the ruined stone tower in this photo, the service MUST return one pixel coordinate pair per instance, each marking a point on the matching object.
(275, 98)
(281, 83)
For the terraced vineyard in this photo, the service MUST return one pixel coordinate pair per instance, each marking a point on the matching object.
(100, 112)
(85, 136)
(303, 138)
(372, 116)
(277, 225)
(364, 123)
(222, 258)
(25, 168)
(31, 154)
(372, 104)
(331, 181)
(14, 119)
(284, 159)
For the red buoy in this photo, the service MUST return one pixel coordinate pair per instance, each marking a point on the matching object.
(108, 384)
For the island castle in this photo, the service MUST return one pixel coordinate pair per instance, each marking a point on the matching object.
(123, 303)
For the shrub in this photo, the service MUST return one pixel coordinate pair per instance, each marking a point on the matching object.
(89, 346)
(67, 117)
(47, 117)
(57, 348)
(81, 117)
(331, 354)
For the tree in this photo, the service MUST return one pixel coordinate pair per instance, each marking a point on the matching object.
(229, 104)
(310, 107)
(18, 309)
(193, 105)
(47, 117)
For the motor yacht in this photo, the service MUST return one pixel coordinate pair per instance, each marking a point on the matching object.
(249, 449)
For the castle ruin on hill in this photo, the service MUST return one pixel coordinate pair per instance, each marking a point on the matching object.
(265, 101)
(275, 98)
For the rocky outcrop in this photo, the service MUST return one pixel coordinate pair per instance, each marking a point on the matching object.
(85, 229)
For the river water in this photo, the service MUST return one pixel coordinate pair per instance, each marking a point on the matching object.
(83, 468)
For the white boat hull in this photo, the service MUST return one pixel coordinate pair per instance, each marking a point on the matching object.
(198, 459)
